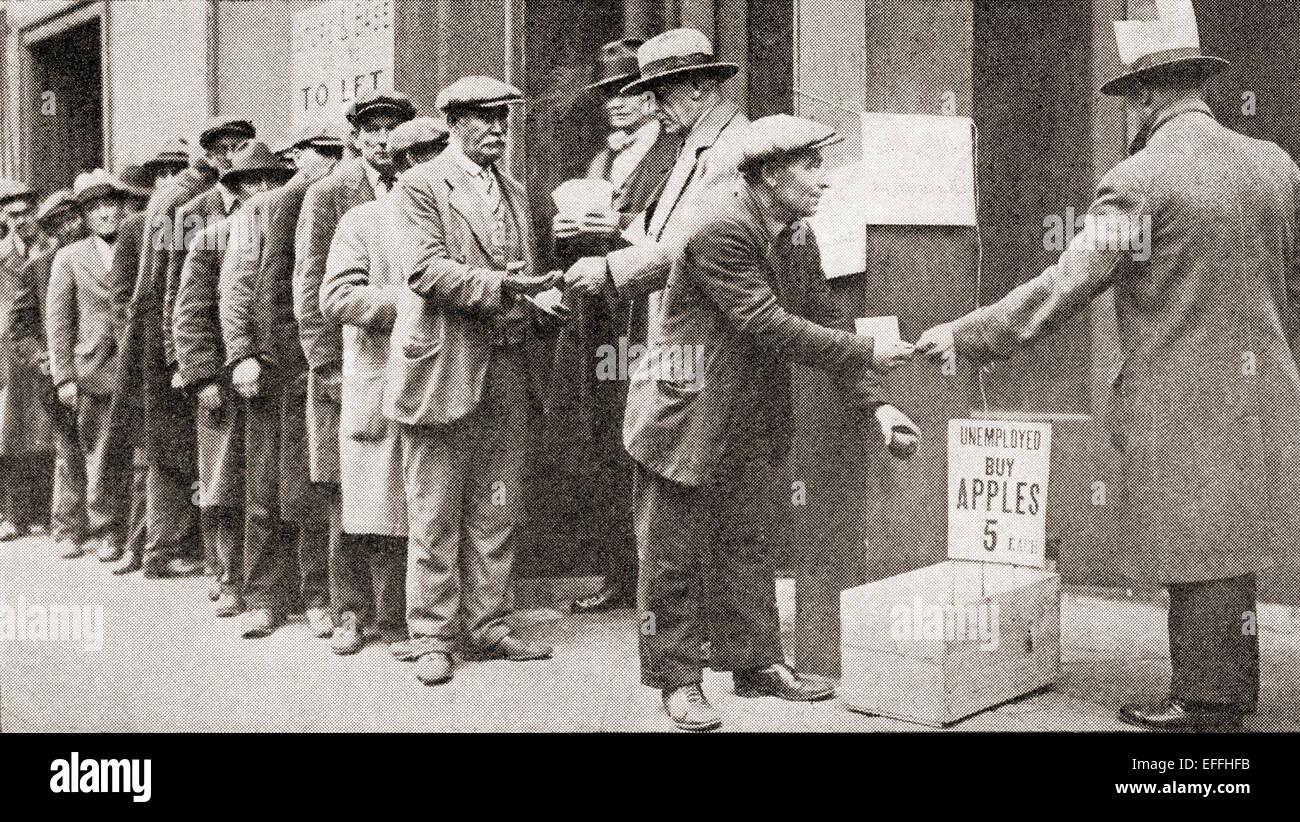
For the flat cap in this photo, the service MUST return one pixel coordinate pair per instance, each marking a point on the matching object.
(477, 91)
(324, 135)
(11, 190)
(780, 134)
(376, 101)
(91, 185)
(60, 202)
(416, 132)
(172, 152)
(217, 126)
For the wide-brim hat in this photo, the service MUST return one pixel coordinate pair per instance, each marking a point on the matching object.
(172, 153)
(255, 158)
(1170, 44)
(225, 125)
(57, 204)
(674, 56)
(93, 185)
(11, 190)
(377, 101)
(617, 66)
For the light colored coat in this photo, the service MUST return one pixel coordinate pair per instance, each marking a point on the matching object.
(1205, 407)
(86, 317)
(362, 287)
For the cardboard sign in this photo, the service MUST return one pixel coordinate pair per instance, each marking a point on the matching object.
(341, 49)
(840, 224)
(997, 491)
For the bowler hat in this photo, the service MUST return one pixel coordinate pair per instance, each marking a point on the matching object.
(376, 101)
(768, 138)
(477, 92)
(92, 185)
(1151, 49)
(675, 56)
(255, 158)
(617, 67)
(216, 126)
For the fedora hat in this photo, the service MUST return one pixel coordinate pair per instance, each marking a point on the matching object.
(172, 153)
(137, 181)
(255, 158)
(92, 185)
(674, 56)
(617, 66)
(1169, 44)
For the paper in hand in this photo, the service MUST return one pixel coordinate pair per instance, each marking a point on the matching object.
(880, 329)
(577, 198)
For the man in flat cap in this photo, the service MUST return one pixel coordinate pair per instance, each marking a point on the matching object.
(362, 290)
(60, 220)
(86, 311)
(174, 547)
(221, 526)
(286, 524)
(459, 383)
(373, 116)
(748, 290)
(323, 138)
(200, 362)
(1205, 407)
(25, 445)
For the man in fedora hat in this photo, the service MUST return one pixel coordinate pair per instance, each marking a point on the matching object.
(172, 158)
(167, 434)
(679, 69)
(60, 220)
(373, 116)
(286, 524)
(25, 445)
(362, 289)
(1205, 405)
(748, 289)
(585, 412)
(463, 376)
(86, 311)
(200, 362)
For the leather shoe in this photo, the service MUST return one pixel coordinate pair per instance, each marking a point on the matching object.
(228, 605)
(257, 623)
(516, 649)
(319, 622)
(8, 531)
(71, 550)
(348, 637)
(782, 682)
(1173, 714)
(690, 710)
(110, 550)
(183, 567)
(610, 597)
(130, 562)
(433, 668)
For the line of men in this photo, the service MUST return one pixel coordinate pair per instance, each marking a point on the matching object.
(319, 372)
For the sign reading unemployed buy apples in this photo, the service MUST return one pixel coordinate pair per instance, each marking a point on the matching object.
(997, 491)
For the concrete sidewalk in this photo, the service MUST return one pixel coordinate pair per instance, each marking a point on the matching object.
(167, 665)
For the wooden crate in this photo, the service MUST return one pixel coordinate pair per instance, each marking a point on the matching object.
(941, 643)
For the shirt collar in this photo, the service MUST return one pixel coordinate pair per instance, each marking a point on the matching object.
(228, 197)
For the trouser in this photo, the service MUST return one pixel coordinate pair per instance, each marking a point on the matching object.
(464, 494)
(171, 504)
(1213, 644)
(25, 480)
(223, 536)
(108, 470)
(706, 574)
(137, 528)
(68, 503)
(284, 559)
(367, 577)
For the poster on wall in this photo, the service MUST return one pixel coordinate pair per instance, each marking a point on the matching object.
(341, 49)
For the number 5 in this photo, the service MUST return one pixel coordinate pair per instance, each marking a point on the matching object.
(990, 535)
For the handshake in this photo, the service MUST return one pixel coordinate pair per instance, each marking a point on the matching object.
(936, 344)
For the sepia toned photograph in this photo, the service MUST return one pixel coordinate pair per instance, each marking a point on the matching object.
(651, 366)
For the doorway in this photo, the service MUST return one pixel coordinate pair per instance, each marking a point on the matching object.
(65, 108)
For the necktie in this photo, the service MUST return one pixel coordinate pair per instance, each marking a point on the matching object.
(387, 181)
(498, 209)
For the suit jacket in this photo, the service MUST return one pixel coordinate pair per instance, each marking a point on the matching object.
(442, 343)
(325, 203)
(1205, 407)
(193, 219)
(642, 268)
(742, 304)
(27, 321)
(87, 312)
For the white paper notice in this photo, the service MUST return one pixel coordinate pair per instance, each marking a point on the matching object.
(840, 224)
(577, 198)
(880, 329)
(918, 169)
(997, 491)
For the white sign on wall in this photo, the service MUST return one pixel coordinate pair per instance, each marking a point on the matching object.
(341, 49)
(997, 491)
(918, 169)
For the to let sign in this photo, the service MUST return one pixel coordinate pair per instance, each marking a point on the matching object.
(341, 49)
(997, 490)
